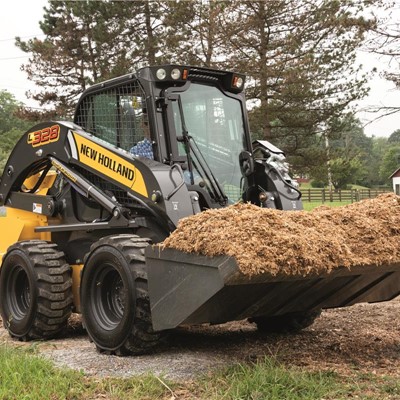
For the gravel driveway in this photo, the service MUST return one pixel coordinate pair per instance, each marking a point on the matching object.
(364, 337)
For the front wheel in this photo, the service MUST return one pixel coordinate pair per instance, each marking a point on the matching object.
(286, 323)
(114, 298)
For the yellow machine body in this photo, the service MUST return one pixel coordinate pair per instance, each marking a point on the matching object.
(19, 225)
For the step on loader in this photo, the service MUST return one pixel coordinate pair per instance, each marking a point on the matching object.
(84, 202)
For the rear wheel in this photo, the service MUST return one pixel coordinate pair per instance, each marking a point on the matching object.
(114, 297)
(35, 290)
(292, 322)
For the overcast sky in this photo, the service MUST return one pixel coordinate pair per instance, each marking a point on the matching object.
(21, 18)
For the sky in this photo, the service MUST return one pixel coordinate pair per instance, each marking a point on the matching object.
(21, 18)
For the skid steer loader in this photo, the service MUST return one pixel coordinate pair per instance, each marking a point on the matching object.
(84, 201)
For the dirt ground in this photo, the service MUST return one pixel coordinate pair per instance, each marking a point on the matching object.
(364, 337)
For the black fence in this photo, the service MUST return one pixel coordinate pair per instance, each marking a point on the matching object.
(349, 196)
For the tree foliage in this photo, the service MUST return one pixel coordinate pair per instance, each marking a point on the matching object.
(347, 153)
(292, 50)
(11, 127)
(299, 56)
(345, 171)
(194, 35)
(390, 162)
(394, 138)
(9, 106)
(86, 42)
(385, 42)
(386, 39)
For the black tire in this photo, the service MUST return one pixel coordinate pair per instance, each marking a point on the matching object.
(114, 296)
(35, 290)
(286, 323)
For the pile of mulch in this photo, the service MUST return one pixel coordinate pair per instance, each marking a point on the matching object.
(295, 242)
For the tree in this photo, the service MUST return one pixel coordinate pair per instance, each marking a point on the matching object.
(345, 171)
(11, 127)
(194, 34)
(385, 42)
(87, 42)
(394, 138)
(386, 39)
(346, 153)
(300, 56)
(379, 147)
(390, 163)
(8, 140)
(9, 106)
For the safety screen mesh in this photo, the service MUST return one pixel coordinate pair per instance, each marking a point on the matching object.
(117, 115)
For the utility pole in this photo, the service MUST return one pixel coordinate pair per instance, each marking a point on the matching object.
(328, 164)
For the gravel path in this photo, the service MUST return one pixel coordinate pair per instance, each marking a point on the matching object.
(363, 337)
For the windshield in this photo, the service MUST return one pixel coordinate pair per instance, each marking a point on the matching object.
(214, 121)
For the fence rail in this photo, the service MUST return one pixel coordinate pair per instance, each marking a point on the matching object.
(350, 196)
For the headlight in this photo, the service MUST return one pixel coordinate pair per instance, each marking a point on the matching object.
(175, 73)
(161, 74)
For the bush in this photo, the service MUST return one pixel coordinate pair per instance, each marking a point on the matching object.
(317, 184)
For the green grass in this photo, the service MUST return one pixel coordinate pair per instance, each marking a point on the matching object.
(305, 186)
(369, 386)
(26, 376)
(308, 206)
(269, 380)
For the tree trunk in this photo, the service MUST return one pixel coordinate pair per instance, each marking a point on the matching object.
(263, 70)
(150, 36)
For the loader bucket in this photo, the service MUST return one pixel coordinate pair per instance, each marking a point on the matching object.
(189, 289)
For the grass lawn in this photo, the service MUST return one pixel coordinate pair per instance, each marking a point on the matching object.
(305, 186)
(24, 375)
(308, 206)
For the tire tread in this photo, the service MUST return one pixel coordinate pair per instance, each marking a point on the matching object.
(54, 288)
(142, 338)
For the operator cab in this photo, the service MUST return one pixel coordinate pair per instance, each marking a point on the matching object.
(192, 117)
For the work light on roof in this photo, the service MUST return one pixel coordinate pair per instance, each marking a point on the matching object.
(175, 73)
(161, 73)
(237, 82)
